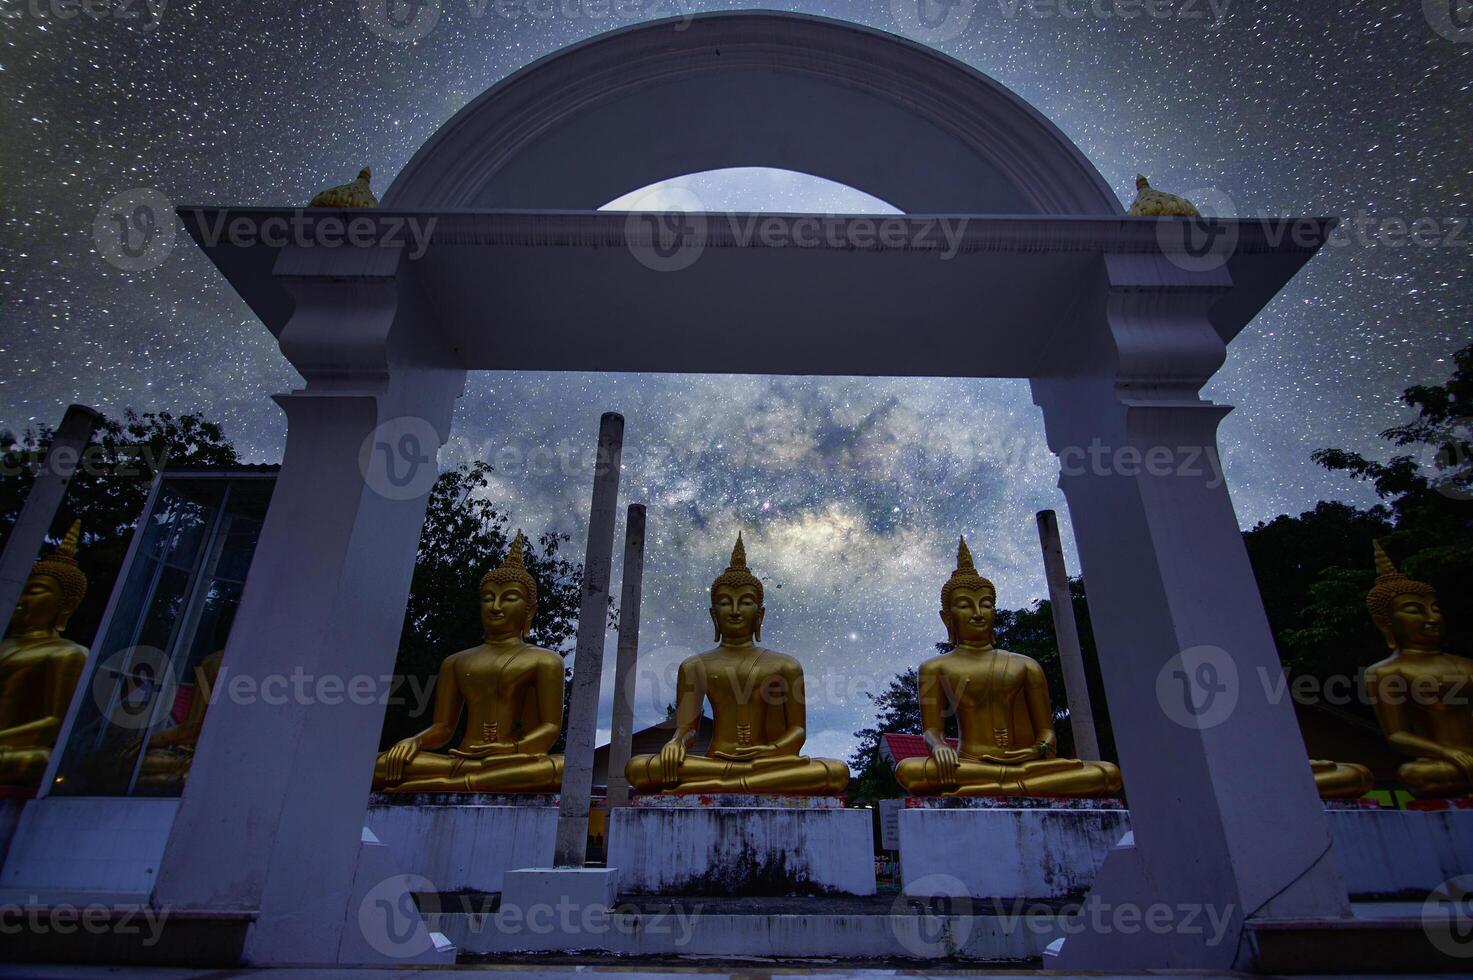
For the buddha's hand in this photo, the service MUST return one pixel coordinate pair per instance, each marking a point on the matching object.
(745, 753)
(946, 766)
(1462, 760)
(672, 757)
(398, 757)
(485, 750)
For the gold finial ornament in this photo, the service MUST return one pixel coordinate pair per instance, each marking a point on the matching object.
(1001, 703)
(1419, 692)
(353, 195)
(513, 570)
(1151, 203)
(511, 694)
(39, 669)
(1390, 583)
(757, 703)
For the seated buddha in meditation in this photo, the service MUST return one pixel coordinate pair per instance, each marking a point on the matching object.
(1001, 702)
(757, 703)
(1419, 692)
(39, 669)
(512, 694)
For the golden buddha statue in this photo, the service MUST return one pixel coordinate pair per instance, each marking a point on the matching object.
(1001, 702)
(38, 669)
(171, 750)
(512, 694)
(757, 703)
(1419, 692)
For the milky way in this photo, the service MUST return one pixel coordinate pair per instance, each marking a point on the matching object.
(851, 491)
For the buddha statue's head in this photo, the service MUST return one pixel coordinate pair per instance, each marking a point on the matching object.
(1403, 609)
(968, 602)
(736, 600)
(508, 597)
(52, 592)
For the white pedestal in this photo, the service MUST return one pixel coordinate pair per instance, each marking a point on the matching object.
(1006, 853)
(65, 844)
(465, 847)
(742, 851)
(1401, 853)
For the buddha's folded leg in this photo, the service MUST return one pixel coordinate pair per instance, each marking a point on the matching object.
(1341, 780)
(1046, 777)
(521, 774)
(818, 776)
(24, 766)
(917, 776)
(1431, 778)
(646, 773)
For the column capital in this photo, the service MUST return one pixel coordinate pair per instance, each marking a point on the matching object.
(1159, 316)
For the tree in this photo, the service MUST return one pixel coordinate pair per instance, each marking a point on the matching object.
(465, 536)
(108, 489)
(898, 709)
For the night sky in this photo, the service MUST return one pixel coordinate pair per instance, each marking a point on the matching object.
(851, 491)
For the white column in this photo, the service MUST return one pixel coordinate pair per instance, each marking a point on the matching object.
(1224, 811)
(39, 510)
(274, 805)
(1066, 631)
(593, 617)
(621, 734)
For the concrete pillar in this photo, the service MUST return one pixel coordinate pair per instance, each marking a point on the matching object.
(621, 734)
(572, 821)
(1066, 631)
(39, 510)
(1224, 811)
(272, 815)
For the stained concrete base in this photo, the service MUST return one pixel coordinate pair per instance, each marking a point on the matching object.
(1044, 854)
(872, 928)
(742, 851)
(994, 853)
(465, 847)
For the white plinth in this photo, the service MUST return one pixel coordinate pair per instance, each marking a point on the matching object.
(529, 889)
(742, 851)
(1401, 853)
(465, 848)
(998, 853)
